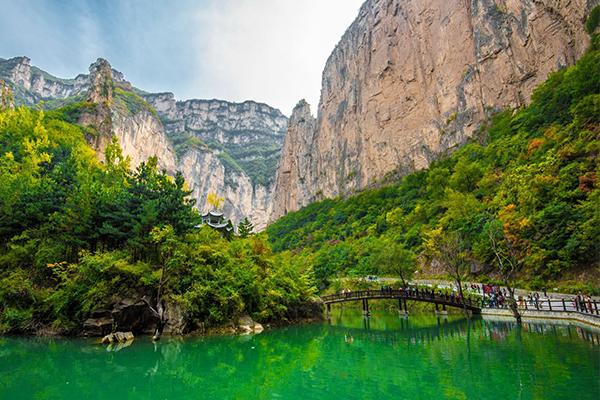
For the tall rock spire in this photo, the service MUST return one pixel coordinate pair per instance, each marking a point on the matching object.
(293, 182)
(101, 82)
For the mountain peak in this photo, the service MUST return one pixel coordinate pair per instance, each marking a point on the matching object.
(101, 82)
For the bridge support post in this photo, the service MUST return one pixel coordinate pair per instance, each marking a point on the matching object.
(328, 310)
(366, 307)
(442, 311)
(399, 304)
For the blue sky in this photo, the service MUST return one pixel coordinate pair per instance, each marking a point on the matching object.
(271, 51)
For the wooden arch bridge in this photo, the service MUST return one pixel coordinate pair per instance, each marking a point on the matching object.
(402, 295)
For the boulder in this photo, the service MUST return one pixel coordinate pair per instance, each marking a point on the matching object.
(117, 337)
(247, 325)
(176, 321)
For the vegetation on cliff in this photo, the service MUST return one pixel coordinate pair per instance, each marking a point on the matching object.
(77, 235)
(531, 176)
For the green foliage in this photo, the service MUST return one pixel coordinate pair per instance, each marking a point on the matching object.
(72, 111)
(245, 228)
(536, 175)
(76, 234)
(593, 20)
(132, 102)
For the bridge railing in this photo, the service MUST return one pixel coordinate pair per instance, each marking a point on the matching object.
(591, 307)
(409, 293)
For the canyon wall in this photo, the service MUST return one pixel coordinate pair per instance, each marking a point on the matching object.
(411, 80)
(231, 149)
(227, 148)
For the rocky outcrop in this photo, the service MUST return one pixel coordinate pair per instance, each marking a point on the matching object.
(231, 149)
(296, 163)
(100, 323)
(117, 337)
(246, 326)
(120, 112)
(34, 85)
(411, 80)
(125, 315)
(101, 83)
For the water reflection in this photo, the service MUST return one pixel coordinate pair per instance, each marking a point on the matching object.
(383, 356)
(426, 328)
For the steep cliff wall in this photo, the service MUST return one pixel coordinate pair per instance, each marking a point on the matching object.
(228, 148)
(411, 80)
(294, 167)
(120, 112)
(231, 149)
(33, 85)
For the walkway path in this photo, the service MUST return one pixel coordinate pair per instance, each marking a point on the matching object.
(518, 292)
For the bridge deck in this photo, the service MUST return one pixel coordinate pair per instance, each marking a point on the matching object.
(405, 294)
(588, 307)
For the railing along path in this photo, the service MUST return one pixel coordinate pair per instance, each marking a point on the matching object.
(574, 305)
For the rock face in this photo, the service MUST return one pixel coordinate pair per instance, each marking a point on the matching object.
(246, 326)
(295, 165)
(34, 85)
(141, 136)
(231, 149)
(125, 315)
(411, 80)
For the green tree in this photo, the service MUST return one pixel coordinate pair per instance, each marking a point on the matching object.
(245, 228)
(509, 255)
(394, 259)
(215, 201)
(448, 249)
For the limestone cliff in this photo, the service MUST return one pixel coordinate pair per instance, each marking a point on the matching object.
(411, 80)
(228, 148)
(294, 166)
(231, 149)
(33, 85)
(120, 112)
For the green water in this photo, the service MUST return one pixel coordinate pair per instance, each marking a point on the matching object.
(390, 357)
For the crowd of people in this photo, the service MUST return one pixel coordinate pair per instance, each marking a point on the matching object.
(586, 304)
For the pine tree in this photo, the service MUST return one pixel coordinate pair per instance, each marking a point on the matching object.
(245, 228)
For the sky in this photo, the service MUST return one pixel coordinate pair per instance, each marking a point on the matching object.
(271, 51)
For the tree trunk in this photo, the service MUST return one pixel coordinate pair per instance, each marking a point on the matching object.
(512, 303)
(460, 292)
(402, 279)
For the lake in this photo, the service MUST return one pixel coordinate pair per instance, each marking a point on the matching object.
(385, 356)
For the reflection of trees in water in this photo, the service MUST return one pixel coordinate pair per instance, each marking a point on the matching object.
(443, 328)
(406, 333)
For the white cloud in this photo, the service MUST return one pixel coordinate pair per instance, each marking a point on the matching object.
(268, 50)
(271, 51)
